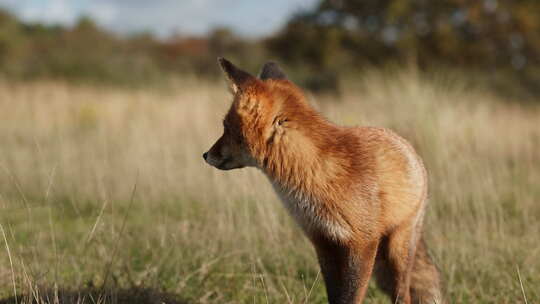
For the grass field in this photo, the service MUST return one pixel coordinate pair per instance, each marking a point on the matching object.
(105, 198)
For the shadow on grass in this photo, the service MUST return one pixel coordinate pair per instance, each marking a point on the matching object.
(134, 295)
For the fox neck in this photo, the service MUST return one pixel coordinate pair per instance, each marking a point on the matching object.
(303, 160)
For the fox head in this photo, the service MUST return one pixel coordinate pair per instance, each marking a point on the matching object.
(254, 119)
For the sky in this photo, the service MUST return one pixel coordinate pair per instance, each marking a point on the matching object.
(252, 18)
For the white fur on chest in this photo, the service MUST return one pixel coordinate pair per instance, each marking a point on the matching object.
(310, 216)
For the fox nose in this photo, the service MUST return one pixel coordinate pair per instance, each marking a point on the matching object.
(205, 155)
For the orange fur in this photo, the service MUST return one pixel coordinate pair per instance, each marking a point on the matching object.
(359, 193)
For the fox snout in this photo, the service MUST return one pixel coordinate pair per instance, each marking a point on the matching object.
(215, 161)
(221, 163)
(227, 154)
(222, 157)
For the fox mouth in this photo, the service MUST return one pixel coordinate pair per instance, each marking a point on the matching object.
(223, 164)
(227, 164)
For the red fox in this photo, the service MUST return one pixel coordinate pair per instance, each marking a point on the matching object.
(358, 193)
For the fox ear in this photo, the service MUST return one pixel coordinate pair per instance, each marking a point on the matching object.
(271, 70)
(237, 78)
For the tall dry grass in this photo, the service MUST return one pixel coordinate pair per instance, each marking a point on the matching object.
(104, 190)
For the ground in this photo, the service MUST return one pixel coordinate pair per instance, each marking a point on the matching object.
(105, 197)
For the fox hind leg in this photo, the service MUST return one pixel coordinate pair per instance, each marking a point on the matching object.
(395, 259)
(404, 269)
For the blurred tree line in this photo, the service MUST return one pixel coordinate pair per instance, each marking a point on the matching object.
(86, 52)
(496, 40)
